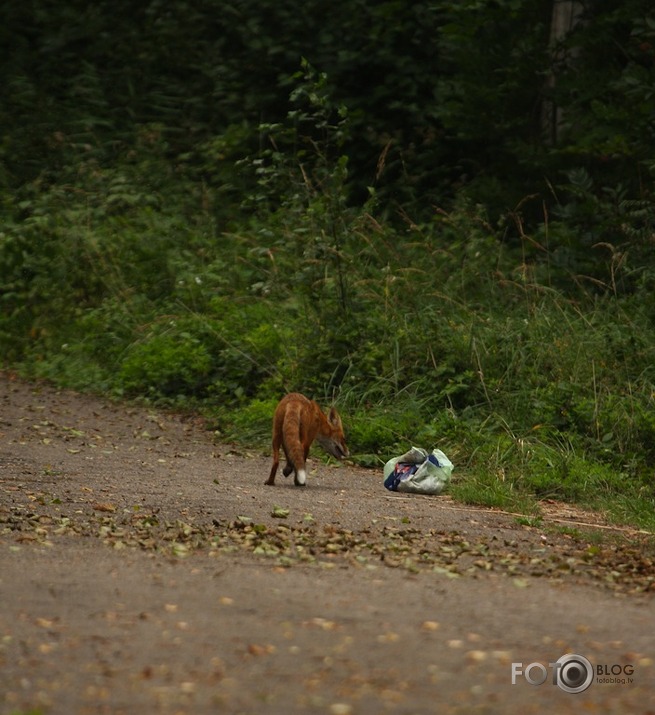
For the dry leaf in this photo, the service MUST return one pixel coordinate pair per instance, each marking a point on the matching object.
(430, 625)
(104, 506)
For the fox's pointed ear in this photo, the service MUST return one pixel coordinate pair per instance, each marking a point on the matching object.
(333, 417)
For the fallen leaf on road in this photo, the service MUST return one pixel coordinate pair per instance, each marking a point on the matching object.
(430, 625)
(104, 506)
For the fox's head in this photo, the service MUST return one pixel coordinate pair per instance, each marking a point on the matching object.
(333, 439)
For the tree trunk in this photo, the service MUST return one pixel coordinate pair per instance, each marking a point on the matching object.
(566, 15)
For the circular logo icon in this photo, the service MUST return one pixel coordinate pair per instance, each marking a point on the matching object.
(574, 673)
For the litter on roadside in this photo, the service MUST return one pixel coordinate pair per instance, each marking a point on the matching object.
(418, 471)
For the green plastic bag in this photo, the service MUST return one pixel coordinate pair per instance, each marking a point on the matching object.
(418, 472)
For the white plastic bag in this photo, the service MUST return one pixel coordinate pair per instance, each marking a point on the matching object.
(418, 472)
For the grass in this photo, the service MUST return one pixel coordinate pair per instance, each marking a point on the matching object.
(435, 335)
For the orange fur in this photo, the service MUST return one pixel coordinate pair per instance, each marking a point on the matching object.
(297, 422)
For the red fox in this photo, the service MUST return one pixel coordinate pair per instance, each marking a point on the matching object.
(297, 422)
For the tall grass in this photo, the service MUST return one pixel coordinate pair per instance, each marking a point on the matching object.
(536, 383)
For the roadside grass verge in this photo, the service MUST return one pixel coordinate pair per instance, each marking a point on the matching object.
(536, 383)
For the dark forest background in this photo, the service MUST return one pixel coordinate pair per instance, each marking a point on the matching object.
(438, 215)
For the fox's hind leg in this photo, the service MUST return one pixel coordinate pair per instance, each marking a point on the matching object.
(288, 467)
(276, 462)
(271, 479)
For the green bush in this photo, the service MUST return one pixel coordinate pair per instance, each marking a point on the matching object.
(165, 365)
(251, 425)
(140, 272)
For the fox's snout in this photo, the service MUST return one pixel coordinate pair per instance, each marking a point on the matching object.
(338, 450)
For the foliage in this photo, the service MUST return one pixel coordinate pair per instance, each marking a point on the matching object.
(210, 211)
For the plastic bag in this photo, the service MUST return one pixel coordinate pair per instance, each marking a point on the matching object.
(418, 471)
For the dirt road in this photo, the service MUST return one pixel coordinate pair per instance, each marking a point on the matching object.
(146, 569)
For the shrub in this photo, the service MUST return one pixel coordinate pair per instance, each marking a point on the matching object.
(166, 365)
